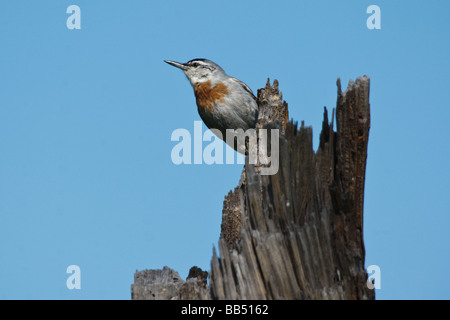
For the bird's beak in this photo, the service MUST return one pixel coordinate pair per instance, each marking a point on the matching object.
(182, 66)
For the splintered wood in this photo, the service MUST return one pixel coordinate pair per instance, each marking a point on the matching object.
(300, 234)
(297, 234)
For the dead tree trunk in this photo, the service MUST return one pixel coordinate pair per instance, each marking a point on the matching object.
(297, 234)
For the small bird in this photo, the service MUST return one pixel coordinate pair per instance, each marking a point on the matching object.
(223, 102)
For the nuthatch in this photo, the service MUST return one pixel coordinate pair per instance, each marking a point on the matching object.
(223, 102)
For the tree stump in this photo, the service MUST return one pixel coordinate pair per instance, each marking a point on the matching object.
(297, 234)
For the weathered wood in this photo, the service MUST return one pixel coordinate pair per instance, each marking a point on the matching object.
(301, 236)
(166, 284)
(297, 234)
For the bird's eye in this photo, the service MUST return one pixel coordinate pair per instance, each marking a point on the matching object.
(195, 64)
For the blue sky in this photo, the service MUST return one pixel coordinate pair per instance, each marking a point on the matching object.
(86, 117)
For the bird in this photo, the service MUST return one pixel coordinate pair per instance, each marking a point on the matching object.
(223, 102)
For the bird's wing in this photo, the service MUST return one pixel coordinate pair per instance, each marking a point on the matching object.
(244, 86)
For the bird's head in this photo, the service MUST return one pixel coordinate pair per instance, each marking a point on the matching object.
(200, 70)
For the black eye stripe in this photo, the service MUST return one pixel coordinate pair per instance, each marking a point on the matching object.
(196, 64)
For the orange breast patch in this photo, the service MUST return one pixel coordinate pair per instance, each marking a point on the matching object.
(208, 97)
